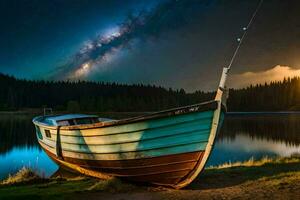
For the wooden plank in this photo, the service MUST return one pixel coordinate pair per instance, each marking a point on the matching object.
(163, 142)
(203, 124)
(150, 125)
(131, 137)
(131, 155)
(136, 163)
(165, 170)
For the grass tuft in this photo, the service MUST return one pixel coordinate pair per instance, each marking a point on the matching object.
(24, 175)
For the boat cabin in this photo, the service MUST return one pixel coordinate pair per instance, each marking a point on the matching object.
(72, 119)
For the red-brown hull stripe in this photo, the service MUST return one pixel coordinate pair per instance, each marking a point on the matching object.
(159, 170)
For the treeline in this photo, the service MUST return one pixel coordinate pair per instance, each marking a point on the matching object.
(275, 96)
(16, 94)
(85, 96)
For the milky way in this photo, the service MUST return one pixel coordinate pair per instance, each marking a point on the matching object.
(179, 44)
(169, 15)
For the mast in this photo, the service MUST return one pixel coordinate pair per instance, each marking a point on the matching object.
(222, 84)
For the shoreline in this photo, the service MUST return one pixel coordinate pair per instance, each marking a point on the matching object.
(263, 179)
(100, 114)
(33, 112)
(264, 113)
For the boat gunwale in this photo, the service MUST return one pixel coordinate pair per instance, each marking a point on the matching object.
(201, 107)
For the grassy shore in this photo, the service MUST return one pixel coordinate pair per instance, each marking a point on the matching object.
(263, 179)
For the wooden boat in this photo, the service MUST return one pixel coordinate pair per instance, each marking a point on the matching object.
(168, 148)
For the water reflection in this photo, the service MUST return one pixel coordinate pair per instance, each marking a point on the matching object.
(241, 138)
(16, 131)
(276, 127)
(19, 147)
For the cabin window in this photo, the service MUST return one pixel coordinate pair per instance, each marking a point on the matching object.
(78, 121)
(38, 132)
(95, 120)
(86, 120)
(82, 121)
(47, 133)
(71, 122)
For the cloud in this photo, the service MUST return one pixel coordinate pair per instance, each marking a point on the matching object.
(277, 73)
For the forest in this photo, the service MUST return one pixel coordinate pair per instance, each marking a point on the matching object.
(86, 96)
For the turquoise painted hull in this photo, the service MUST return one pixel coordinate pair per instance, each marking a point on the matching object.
(177, 134)
(169, 134)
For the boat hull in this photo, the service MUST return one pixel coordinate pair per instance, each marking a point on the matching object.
(161, 170)
(167, 149)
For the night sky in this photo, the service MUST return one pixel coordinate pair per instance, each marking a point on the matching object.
(179, 44)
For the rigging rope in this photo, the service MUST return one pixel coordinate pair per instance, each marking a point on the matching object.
(244, 34)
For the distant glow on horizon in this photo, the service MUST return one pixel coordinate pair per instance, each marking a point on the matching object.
(277, 73)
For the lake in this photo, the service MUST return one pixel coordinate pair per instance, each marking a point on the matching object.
(242, 137)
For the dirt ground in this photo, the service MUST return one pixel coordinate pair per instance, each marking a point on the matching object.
(266, 180)
(248, 190)
(270, 181)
